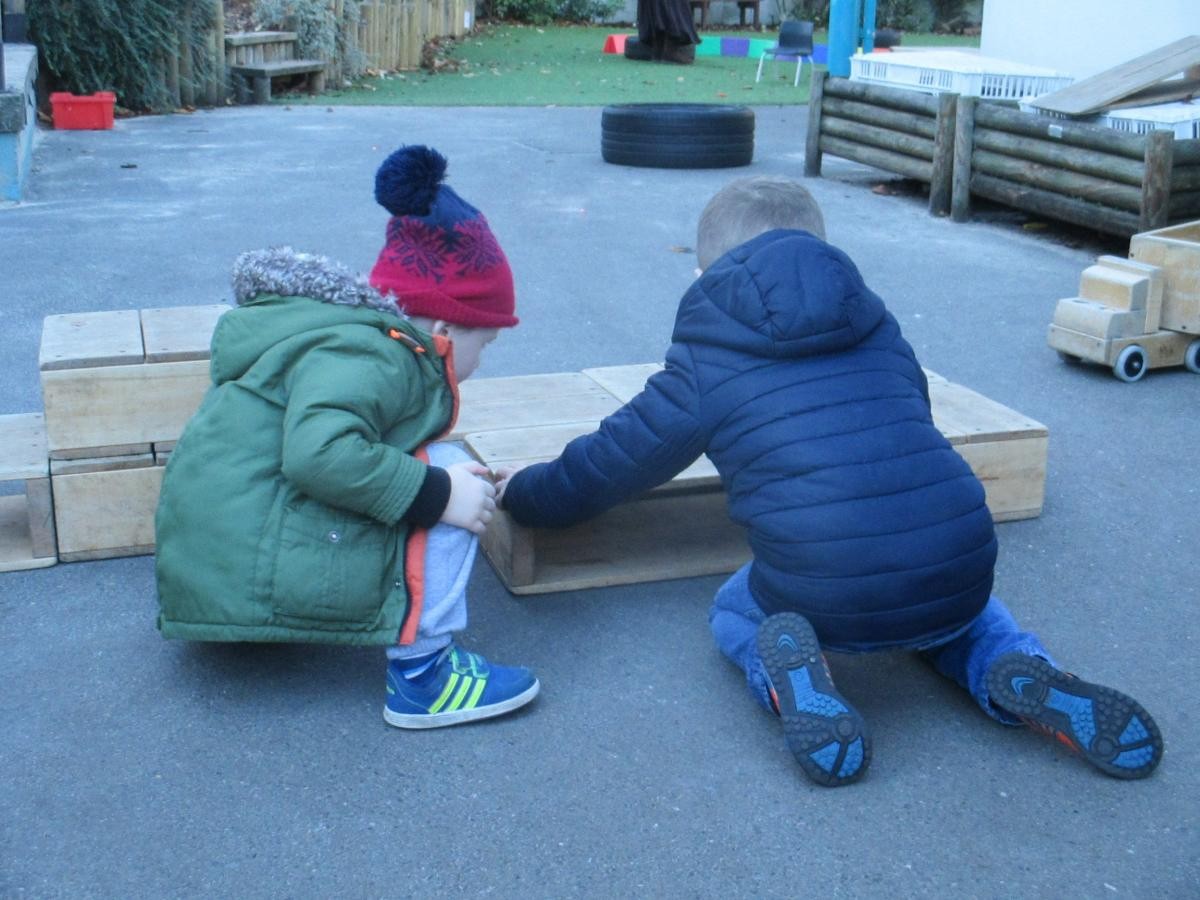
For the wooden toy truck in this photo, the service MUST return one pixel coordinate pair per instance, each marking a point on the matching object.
(1138, 313)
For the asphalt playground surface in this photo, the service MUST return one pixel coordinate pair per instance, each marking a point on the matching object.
(131, 766)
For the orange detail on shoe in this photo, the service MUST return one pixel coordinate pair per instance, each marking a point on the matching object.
(774, 699)
(1070, 744)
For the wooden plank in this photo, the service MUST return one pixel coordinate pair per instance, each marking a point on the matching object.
(16, 545)
(100, 464)
(77, 340)
(523, 387)
(23, 447)
(93, 452)
(179, 333)
(615, 547)
(623, 382)
(39, 509)
(1013, 474)
(106, 514)
(585, 407)
(958, 410)
(1163, 92)
(1098, 91)
(98, 407)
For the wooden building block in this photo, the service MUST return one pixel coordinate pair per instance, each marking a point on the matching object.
(682, 528)
(1175, 250)
(1114, 287)
(1154, 297)
(108, 513)
(1099, 319)
(518, 401)
(179, 333)
(120, 405)
(84, 340)
(27, 539)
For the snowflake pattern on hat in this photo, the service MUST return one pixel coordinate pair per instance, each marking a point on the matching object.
(418, 247)
(475, 247)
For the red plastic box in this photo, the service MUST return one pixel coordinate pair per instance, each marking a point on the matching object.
(93, 112)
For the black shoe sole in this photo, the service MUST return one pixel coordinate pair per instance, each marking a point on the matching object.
(825, 733)
(1107, 728)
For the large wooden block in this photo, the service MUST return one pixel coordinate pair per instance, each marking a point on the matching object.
(1091, 317)
(120, 405)
(682, 528)
(27, 539)
(115, 382)
(106, 513)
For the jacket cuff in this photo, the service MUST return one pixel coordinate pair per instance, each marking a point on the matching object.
(432, 498)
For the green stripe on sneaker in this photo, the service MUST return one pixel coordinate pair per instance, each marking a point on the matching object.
(480, 684)
(445, 695)
(454, 704)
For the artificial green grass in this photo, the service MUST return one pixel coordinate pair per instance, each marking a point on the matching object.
(564, 65)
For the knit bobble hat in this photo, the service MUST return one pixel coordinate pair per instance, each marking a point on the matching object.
(441, 259)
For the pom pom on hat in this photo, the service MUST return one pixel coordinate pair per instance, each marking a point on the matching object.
(407, 182)
(441, 259)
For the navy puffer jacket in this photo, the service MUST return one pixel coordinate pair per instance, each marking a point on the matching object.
(787, 370)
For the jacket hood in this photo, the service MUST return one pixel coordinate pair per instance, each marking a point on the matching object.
(783, 294)
(284, 293)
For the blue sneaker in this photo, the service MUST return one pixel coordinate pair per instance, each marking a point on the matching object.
(457, 687)
(825, 733)
(1108, 729)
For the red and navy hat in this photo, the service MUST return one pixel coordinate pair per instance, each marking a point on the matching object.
(441, 259)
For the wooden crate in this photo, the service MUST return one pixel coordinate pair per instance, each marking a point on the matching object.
(681, 528)
(117, 388)
(26, 520)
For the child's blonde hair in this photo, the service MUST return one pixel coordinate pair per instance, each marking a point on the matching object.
(745, 208)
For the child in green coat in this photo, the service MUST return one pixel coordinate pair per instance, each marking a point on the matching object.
(306, 500)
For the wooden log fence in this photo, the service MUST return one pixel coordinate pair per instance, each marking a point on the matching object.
(392, 33)
(897, 130)
(1116, 182)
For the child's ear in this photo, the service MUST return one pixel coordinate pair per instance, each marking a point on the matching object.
(441, 327)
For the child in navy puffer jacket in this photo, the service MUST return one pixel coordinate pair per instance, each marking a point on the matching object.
(868, 530)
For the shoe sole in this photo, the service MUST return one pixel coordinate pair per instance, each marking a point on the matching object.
(1107, 728)
(825, 733)
(459, 716)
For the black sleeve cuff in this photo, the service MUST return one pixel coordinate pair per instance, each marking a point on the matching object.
(431, 500)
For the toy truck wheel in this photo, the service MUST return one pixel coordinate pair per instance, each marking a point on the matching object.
(1191, 356)
(1130, 364)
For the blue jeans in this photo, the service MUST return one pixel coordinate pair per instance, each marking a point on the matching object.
(964, 658)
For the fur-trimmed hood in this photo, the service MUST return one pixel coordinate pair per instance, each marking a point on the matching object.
(290, 273)
(282, 295)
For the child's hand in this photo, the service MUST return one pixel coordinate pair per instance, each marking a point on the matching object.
(472, 497)
(502, 475)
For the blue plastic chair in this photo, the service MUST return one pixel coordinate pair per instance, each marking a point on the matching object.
(795, 42)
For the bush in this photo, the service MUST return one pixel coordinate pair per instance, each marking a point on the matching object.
(543, 12)
(905, 15)
(119, 45)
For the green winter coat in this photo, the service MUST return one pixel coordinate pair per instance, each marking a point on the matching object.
(281, 516)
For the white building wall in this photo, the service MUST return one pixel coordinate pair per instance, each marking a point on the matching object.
(1083, 37)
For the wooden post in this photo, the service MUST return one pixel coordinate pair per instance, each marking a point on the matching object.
(222, 72)
(964, 139)
(812, 145)
(943, 156)
(187, 82)
(1156, 186)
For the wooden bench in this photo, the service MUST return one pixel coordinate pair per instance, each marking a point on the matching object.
(257, 57)
(682, 528)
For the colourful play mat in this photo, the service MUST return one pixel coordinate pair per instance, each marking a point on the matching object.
(720, 46)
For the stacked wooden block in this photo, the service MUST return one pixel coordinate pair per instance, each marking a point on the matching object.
(681, 528)
(117, 388)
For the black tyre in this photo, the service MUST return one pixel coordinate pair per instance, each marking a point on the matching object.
(677, 135)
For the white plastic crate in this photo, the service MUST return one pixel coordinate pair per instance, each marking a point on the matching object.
(956, 71)
(1183, 118)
